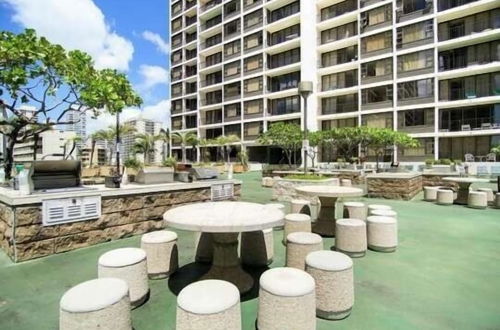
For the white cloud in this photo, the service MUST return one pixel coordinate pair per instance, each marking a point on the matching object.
(159, 112)
(75, 24)
(152, 75)
(158, 41)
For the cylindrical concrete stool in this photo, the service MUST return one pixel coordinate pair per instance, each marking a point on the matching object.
(350, 237)
(209, 304)
(490, 196)
(334, 182)
(279, 207)
(295, 222)
(355, 210)
(257, 248)
(496, 204)
(128, 264)
(299, 245)
(430, 193)
(477, 200)
(301, 206)
(286, 300)
(373, 207)
(444, 197)
(346, 183)
(333, 274)
(385, 213)
(204, 247)
(382, 233)
(96, 304)
(161, 251)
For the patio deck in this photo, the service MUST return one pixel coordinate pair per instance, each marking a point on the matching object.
(445, 275)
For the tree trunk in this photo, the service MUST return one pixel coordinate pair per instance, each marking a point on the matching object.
(184, 156)
(73, 147)
(9, 158)
(92, 150)
(35, 145)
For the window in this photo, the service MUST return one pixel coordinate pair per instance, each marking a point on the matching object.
(379, 120)
(410, 6)
(339, 123)
(377, 94)
(285, 58)
(213, 40)
(253, 107)
(177, 123)
(177, 90)
(232, 69)
(476, 54)
(280, 36)
(283, 82)
(416, 61)
(378, 68)
(232, 91)
(252, 41)
(177, 40)
(213, 59)
(339, 104)
(376, 16)
(470, 24)
(213, 78)
(340, 32)
(253, 19)
(213, 117)
(231, 8)
(376, 42)
(213, 22)
(176, 106)
(339, 80)
(177, 24)
(191, 104)
(252, 130)
(338, 9)
(177, 57)
(231, 28)
(417, 117)
(423, 88)
(481, 116)
(253, 63)
(470, 87)
(253, 86)
(284, 105)
(413, 33)
(232, 130)
(232, 111)
(339, 56)
(232, 49)
(290, 9)
(213, 97)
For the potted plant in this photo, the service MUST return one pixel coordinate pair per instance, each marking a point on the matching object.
(429, 162)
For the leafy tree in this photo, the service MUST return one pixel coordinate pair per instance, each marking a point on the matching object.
(382, 139)
(145, 144)
(224, 143)
(133, 163)
(54, 81)
(316, 141)
(284, 135)
(184, 138)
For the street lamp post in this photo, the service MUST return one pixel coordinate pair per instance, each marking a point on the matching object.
(305, 89)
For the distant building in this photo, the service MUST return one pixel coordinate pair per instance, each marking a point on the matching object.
(79, 125)
(142, 126)
(51, 145)
(99, 158)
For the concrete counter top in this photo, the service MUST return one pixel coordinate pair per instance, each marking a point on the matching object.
(394, 175)
(15, 198)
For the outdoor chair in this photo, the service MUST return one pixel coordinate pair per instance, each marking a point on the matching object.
(299, 245)
(350, 237)
(491, 157)
(382, 233)
(466, 127)
(469, 157)
(486, 126)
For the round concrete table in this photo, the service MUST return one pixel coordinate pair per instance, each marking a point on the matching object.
(225, 220)
(463, 187)
(328, 196)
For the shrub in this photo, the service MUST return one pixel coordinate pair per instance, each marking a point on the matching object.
(170, 162)
(133, 163)
(305, 177)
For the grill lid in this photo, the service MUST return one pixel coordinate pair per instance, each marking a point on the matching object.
(54, 174)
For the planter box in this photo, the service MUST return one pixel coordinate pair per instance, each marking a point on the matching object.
(403, 186)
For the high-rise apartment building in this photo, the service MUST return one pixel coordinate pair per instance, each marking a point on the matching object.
(142, 126)
(429, 68)
(79, 125)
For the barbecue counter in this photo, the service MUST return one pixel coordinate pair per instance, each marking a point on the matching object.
(59, 217)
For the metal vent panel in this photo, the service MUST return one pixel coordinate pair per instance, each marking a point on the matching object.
(64, 210)
(222, 192)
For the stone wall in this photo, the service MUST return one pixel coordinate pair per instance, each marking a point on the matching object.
(437, 180)
(394, 188)
(284, 189)
(23, 237)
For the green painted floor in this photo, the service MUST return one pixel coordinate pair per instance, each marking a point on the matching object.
(445, 275)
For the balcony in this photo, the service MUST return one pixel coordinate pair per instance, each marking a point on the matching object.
(190, 20)
(448, 4)
(212, 41)
(337, 10)
(209, 5)
(283, 12)
(249, 4)
(211, 22)
(412, 9)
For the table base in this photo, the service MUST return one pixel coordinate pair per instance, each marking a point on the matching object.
(226, 264)
(462, 194)
(325, 225)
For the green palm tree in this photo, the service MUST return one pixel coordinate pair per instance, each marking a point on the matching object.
(225, 143)
(145, 144)
(165, 138)
(100, 135)
(112, 133)
(184, 138)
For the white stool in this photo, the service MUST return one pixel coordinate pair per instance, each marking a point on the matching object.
(128, 264)
(96, 304)
(346, 183)
(333, 274)
(385, 213)
(382, 233)
(204, 247)
(286, 300)
(373, 207)
(299, 245)
(335, 181)
(355, 210)
(267, 181)
(477, 200)
(295, 222)
(350, 237)
(430, 193)
(444, 197)
(301, 206)
(257, 248)
(209, 304)
(161, 252)
(490, 196)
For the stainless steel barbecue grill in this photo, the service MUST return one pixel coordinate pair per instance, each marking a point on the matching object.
(56, 175)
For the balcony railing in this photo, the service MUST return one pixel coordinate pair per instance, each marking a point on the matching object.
(252, 5)
(210, 82)
(211, 42)
(340, 108)
(281, 13)
(210, 4)
(190, 20)
(448, 4)
(254, 25)
(211, 23)
(190, 4)
(471, 124)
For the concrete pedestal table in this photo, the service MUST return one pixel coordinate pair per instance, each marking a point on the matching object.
(463, 187)
(225, 220)
(328, 196)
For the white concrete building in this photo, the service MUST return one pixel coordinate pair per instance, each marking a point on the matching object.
(142, 126)
(429, 68)
(51, 145)
(79, 125)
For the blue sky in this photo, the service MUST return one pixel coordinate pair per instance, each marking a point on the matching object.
(128, 35)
